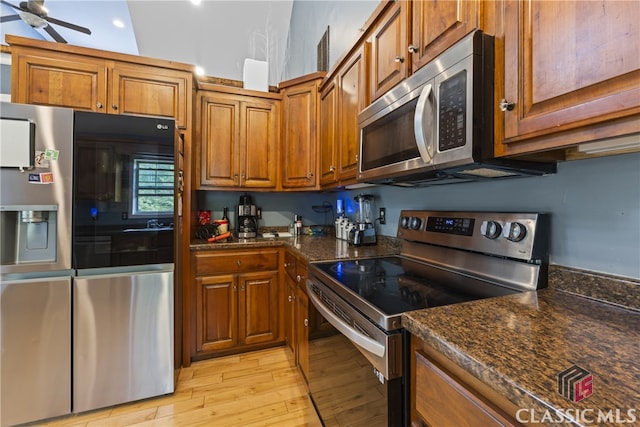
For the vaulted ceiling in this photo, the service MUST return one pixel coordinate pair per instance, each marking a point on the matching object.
(216, 35)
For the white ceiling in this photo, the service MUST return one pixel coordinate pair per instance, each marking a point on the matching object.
(216, 35)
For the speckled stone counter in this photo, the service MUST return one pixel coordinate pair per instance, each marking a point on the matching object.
(311, 248)
(518, 344)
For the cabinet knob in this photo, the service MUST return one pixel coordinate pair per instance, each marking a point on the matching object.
(310, 175)
(306, 322)
(291, 298)
(238, 262)
(114, 107)
(412, 49)
(243, 176)
(235, 288)
(242, 288)
(332, 168)
(99, 105)
(506, 105)
(299, 278)
(399, 59)
(286, 265)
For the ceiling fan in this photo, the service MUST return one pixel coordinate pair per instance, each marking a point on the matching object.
(35, 14)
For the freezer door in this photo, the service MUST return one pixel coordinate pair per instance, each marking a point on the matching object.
(123, 338)
(35, 364)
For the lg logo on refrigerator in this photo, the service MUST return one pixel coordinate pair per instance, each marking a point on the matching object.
(160, 126)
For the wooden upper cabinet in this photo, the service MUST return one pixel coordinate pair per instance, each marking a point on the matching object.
(389, 56)
(238, 137)
(299, 152)
(148, 91)
(570, 73)
(437, 25)
(352, 98)
(259, 138)
(46, 79)
(328, 139)
(47, 73)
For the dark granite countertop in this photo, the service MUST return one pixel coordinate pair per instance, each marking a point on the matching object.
(518, 344)
(310, 248)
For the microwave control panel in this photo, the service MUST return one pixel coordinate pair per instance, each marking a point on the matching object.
(452, 112)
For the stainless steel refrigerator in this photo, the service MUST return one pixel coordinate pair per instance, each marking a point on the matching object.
(35, 274)
(123, 241)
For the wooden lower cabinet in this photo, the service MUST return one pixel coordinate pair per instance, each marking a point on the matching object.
(239, 308)
(440, 399)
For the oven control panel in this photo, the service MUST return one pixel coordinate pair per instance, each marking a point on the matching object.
(514, 235)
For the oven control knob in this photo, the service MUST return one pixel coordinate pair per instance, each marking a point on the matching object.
(404, 222)
(514, 231)
(415, 223)
(491, 229)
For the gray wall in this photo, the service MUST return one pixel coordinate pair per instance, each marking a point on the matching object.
(309, 20)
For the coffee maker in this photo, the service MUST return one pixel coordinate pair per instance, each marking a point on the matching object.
(364, 230)
(246, 218)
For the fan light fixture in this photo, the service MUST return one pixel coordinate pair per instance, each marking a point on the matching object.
(33, 20)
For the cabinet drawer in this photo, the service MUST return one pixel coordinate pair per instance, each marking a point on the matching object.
(441, 400)
(235, 262)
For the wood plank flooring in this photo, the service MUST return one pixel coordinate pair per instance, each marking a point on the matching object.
(261, 388)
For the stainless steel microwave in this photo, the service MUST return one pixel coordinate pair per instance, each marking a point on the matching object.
(437, 125)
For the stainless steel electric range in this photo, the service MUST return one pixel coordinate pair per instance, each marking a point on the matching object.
(357, 372)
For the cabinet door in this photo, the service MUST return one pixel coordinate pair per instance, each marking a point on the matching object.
(566, 81)
(328, 128)
(437, 25)
(258, 317)
(216, 312)
(302, 338)
(352, 99)
(219, 134)
(147, 91)
(389, 50)
(47, 80)
(289, 304)
(259, 123)
(299, 152)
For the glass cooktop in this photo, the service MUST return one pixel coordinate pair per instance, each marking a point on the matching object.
(395, 284)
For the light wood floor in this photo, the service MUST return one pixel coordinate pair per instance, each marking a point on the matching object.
(261, 388)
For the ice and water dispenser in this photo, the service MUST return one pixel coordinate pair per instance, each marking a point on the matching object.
(29, 233)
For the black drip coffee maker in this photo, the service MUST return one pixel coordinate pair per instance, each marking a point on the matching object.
(246, 218)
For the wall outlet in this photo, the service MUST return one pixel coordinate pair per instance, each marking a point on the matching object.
(383, 216)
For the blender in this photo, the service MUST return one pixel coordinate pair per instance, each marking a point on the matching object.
(364, 230)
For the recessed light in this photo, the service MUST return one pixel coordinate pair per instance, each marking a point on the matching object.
(196, 2)
(199, 70)
(118, 23)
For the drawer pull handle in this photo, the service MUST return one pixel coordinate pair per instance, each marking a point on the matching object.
(238, 262)
(306, 322)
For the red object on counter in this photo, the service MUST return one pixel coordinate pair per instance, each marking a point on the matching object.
(219, 237)
(204, 217)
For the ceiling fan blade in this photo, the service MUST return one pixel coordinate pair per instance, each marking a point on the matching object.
(10, 18)
(53, 33)
(10, 5)
(67, 24)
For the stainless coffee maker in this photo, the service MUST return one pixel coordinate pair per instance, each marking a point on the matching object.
(246, 218)
(364, 230)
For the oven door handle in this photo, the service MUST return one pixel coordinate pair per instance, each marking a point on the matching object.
(354, 336)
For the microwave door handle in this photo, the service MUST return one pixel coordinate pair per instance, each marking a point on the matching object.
(423, 121)
(354, 336)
